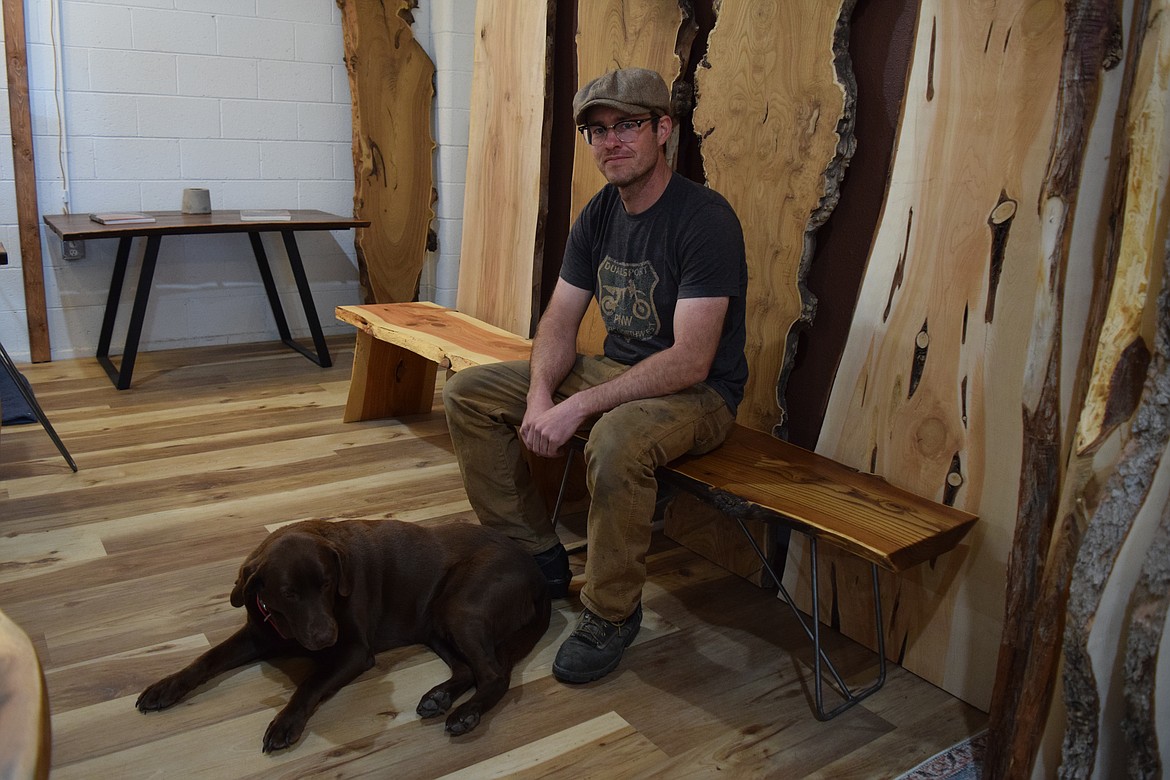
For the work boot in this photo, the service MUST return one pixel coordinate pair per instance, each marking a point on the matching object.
(554, 565)
(595, 647)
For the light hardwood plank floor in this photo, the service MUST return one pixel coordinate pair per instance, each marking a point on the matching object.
(120, 574)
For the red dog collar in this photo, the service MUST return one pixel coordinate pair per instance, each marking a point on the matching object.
(266, 613)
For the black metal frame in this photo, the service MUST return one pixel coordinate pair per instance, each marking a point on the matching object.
(121, 375)
(31, 399)
(851, 697)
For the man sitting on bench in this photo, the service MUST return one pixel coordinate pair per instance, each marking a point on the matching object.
(664, 257)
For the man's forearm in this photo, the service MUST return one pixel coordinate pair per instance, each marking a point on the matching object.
(552, 358)
(666, 372)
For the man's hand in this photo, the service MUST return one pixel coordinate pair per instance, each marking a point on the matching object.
(547, 426)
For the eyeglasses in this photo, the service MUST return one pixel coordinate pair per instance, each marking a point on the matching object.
(625, 130)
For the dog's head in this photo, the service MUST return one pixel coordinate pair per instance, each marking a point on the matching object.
(292, 581)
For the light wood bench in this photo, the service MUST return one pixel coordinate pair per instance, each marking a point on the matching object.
(751, 475)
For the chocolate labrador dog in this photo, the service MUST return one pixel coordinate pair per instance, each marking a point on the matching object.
(340, 592)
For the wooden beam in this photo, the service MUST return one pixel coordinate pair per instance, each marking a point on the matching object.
(25, 175)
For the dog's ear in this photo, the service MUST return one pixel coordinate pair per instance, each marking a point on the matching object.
(344, 571)
(244, 580)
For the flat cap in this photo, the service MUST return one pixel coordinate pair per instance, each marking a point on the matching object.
(628, 89)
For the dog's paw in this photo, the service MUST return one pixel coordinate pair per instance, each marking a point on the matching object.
(283, 732)
(434, 703)
(463, 719)
(162, 694)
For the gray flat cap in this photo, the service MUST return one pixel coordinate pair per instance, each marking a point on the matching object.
(629, 89)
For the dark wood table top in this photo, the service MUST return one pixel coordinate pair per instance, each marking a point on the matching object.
(75, 227)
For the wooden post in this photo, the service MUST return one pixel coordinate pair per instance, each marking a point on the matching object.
(25, 176)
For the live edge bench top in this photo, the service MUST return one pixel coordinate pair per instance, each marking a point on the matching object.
(439, 334)
(752, 474)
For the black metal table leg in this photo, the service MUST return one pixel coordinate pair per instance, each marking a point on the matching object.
(115, 295)
(269, 286)
(298, 269)
(122, 375)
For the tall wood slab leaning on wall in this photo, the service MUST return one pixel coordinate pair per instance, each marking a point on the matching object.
(928, 390)
(1135, 336)
(776, 132)
(774, 102)
(505, 201)
(655, 34)
(391, 82)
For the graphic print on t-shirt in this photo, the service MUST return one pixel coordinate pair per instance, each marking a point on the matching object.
(626, 298)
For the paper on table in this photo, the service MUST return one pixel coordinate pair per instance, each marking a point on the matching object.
(120, 217)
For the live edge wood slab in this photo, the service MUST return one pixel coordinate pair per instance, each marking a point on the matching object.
(754, 474)
(400, 347)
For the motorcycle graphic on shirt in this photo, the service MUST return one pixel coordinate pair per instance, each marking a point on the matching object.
(626, 298)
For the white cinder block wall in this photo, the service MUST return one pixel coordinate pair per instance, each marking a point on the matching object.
(248, 98)
(451, 46)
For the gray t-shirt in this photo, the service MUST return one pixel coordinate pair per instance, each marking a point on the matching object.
(689, 244)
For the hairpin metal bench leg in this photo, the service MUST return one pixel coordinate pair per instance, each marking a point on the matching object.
(820, 658)
(851, 697)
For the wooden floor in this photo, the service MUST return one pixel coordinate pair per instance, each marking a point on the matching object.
(120, 574)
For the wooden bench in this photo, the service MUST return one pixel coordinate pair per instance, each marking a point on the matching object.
(752, 475)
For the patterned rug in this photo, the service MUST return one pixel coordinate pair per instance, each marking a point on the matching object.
(963, 761)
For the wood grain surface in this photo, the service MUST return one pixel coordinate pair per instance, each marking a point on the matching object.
(612, 34)
(774, 115)
(929, 386)
(1121, 351)
(78, 227)
(391, 84)
(25, 180)
(860, 513)
(441, 335)
(505, 200)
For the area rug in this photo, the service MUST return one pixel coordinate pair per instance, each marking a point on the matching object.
(963, 761)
